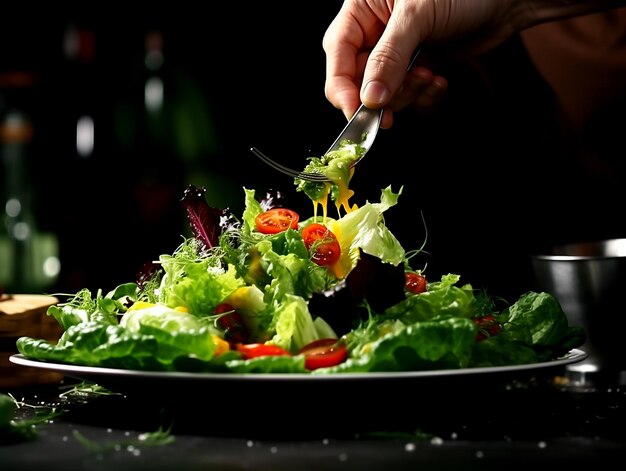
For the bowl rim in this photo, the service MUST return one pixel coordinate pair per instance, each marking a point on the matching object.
(601, 249)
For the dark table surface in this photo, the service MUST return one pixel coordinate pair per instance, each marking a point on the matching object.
(562, 417)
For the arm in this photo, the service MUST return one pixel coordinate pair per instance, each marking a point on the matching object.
(369, 44)
(550, 10)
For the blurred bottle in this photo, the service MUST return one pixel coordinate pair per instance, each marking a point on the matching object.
(159, 177)
(80, 78)
(164, 126)
(75, 91)
(29, 260)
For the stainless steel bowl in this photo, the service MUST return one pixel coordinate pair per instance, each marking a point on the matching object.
(589, 280)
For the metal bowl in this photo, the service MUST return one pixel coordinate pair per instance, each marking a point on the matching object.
(589, 280)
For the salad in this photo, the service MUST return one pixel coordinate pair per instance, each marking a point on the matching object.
(271, 291)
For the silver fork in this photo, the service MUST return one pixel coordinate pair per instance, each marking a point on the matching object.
(361, 129)
(314, 177)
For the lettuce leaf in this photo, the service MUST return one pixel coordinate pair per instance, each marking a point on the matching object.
(443, 299)
(421, 346)
(200, 289)
(295, 327)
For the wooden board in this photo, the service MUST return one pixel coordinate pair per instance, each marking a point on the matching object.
(24, 315)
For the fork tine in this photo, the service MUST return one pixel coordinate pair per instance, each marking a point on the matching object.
(275, 165)
(286, 170)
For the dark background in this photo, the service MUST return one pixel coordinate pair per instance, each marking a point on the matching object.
(486, 179)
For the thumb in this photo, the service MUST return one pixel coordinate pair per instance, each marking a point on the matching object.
(388, 62)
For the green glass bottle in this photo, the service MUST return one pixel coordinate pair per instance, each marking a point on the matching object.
(29, 260)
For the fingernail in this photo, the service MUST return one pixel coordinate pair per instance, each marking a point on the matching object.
(375, 93)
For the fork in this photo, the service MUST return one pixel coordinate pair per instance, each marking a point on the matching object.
(362, 129)
(310, 176)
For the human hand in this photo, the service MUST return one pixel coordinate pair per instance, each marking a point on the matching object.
(369, 44)
(420, 90)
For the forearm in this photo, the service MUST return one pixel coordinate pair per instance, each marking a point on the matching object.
(542, 11)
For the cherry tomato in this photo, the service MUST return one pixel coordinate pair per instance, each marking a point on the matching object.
(276, 220)
(323, 353)
(323, 243)
(235, 330)
(254, 350)
(414, 282)
(488, 326)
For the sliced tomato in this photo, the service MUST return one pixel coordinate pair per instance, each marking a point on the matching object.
(323, 353)
(235, 330)
(276, 220)
(488, 325)
(254, 350)
(322, 243)
(414, 282)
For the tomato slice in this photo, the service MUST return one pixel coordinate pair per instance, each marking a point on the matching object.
(414, 282)
(488, 325)
(323, 353)
(231, 322)
(276, 220)
(323, 244)
(254, 350)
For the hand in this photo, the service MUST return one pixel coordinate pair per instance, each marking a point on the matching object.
(420, 90)
(369, 44)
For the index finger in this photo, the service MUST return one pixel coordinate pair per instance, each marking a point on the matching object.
(347, 47)
(388, 62)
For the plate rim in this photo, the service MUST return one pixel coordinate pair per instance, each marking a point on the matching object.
(575, 355)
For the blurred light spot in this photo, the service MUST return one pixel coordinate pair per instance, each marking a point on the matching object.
(583, 368)
(85, 136)
(21, 231)
(51, 267)
(13, 207)
(153, 94)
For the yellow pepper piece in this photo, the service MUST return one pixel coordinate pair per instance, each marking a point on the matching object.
(221, 345)
(140, 305)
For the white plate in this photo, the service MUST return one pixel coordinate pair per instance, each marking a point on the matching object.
(91, 372)
(312, 405)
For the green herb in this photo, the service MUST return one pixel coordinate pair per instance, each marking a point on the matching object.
(158, 438)
(85, 390)
(17, 429)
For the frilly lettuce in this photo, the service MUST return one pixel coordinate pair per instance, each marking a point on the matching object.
(269, 280)
(196, 284)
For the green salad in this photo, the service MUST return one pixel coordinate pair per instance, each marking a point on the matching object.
(269, 291)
